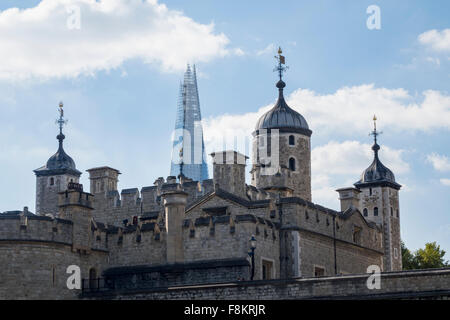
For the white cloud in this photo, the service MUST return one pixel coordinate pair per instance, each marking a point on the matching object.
(349, 110)
(439, 162)
(340, 164)
(269, 49)
(445, 182)
(436, 40)
(352, 157)
(37, 42)
(239, 52)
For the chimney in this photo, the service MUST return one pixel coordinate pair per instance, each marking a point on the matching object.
(174, 207)
(229, 172)
(349, 197)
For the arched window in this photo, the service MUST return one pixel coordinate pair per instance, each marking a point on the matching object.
(365, 212)
(375, 211)
(52, 181)
(292, 164)
(291, 140)
(397, 213)
(92, 278)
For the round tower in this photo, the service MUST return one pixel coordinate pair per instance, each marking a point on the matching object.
(54, 177)
(282, 148)
(379, 203)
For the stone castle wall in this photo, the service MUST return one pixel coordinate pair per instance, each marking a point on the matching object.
(35, 252)
(417, 284)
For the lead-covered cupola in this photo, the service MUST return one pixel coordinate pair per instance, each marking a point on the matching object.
(60, 162)
(377, 174)
(281, 116)
(55, 176)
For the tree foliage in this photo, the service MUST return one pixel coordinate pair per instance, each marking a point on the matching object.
(430, 257)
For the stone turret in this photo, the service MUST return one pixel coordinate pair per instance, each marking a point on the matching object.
(174, 200)
(282, 149)
(54, 177)
(380, 204)
(76, 205)
(229, 172)
(103, 180)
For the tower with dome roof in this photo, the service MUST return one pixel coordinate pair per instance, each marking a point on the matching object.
(379, 203)
(55, 175)
(282, 148)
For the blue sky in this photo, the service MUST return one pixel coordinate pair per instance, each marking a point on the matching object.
(118, 75)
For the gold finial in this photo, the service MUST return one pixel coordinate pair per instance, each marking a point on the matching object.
(374, 118)
(61, 111)
(375, 122)
(279, 50)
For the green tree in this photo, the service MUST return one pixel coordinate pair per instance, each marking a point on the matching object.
(430, 257)
(408, 259)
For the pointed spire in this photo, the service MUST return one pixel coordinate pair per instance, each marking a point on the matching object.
(377, 173)
(185, 158)
(61, 122)
(375, 134)
(280, 68)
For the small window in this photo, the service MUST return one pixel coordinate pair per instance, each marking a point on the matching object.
(375, 211)
(52, 181)
(318, 271)
(292, 164)
(267, 267)
(397, 213)
(392, 212)
(357, 235)
(291, 140)
(53, 275)
(395, 253)
(92, 278)
(365, 212)
(370, 191)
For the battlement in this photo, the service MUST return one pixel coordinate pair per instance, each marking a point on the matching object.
(113, 207)
(33, 228)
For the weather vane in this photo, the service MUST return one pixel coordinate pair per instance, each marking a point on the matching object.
(281, 61)
(375, 133)
(61, 122)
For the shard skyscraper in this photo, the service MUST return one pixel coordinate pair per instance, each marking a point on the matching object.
(188, 151)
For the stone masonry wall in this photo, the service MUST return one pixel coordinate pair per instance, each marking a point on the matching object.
(37, 270)
(417, 284)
